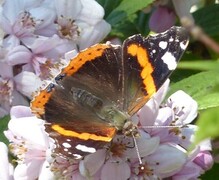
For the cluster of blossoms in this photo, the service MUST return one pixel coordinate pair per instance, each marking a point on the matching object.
(164, 146)
(36, 34)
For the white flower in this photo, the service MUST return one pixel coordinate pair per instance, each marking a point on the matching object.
(7, 169)
(81, 21)
(30, 143)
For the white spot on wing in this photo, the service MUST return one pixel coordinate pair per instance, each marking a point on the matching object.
(183, 46)
(163, 44)
(153, 51)
(85, 148)
(66, 145)
(171, 39)
(77, 156)
(169, 60)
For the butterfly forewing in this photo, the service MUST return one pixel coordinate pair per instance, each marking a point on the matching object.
(149, 62)
(77, 108)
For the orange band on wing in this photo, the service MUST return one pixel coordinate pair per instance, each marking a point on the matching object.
(85, 136)
(84, 56)
(147, 69)
(38, 103)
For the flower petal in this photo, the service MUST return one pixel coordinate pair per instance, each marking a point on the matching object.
(14, 55)
(161, 93)
(189, 171)
(45, 172)
(92, 163)
(205, 160)
(20, 111)
(19, 99)
(145, 147)
(184, 106)
(168, 19)
(45, 15)
(148, 113)
(27, 83)
(34, 133)
(167, 159)
(6, 71)
(115, 171)
(69, 9)
(88, 16)
(93, 34)
(5, 166)
(28, 171)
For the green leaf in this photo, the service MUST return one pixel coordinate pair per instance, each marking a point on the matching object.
(142, 24)
(203, 87)
(212, 173)
(125, 9)
(207, 18)
(3, 126)
(109, 5)
(209, 100)
(199, 65)
(125, 28)
(134, 24)
(208, 124)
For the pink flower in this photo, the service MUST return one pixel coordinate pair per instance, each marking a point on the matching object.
(165, 160)
(166, 11)
(45, 54)
(204, 160)
(9, 95)
(30, 143)
(22, 19)
(162, 19)
(81, 21)
(27, 83)
(6, 168)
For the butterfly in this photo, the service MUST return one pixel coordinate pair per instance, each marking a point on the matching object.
(96, 94)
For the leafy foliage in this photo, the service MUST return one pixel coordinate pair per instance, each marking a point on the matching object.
(3, 127)
(208, 124)
(207, 18)
(199, 69)
(203, 87)
(125, 17)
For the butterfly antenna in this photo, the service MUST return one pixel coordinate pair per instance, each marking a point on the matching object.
(157, 126)
(137, 150)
